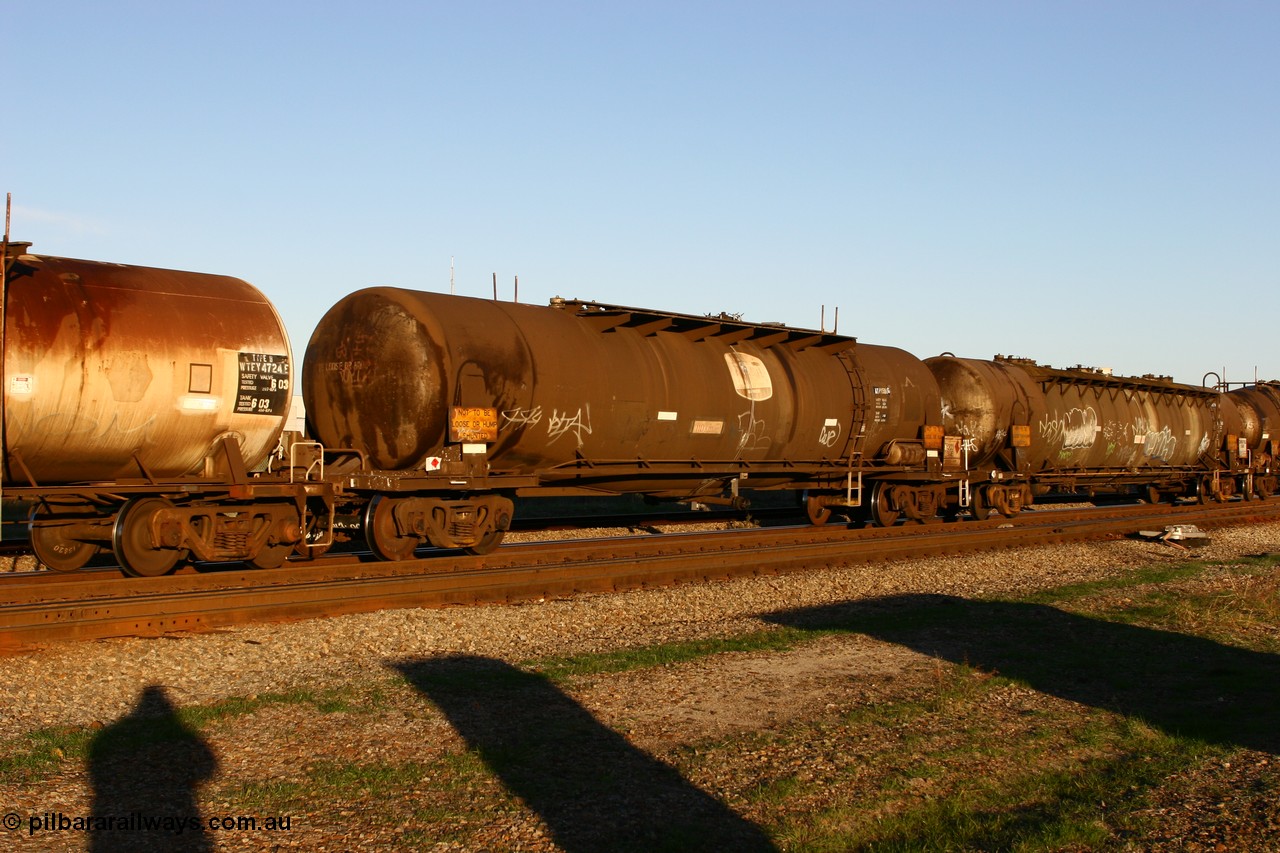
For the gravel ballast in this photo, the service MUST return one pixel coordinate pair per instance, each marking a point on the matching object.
(97, 682)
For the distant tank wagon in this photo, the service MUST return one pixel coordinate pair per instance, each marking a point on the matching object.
(1257, 411)
(1080, 430)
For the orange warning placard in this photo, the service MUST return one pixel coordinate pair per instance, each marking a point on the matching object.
(473, 424)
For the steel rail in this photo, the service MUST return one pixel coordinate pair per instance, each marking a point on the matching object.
(96, 608)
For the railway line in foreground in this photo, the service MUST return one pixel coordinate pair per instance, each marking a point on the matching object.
(38, 609)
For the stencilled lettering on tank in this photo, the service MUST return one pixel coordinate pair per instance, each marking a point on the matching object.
(353, 373)
(353, 364)
(263, 387)
(881, 405)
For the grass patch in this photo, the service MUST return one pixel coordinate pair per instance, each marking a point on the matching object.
(39, 753)
(1073, 775)
(1056, 804)
(1143, 576)
(1151, 576)
(452, 796)
(1239, 607)
(559, 669)
(913, 776)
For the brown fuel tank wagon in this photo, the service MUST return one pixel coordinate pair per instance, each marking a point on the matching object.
(136, 402)
(602, 398)
(1255, 436)
(1038, 428)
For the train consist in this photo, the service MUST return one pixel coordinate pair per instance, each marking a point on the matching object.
(145, 414)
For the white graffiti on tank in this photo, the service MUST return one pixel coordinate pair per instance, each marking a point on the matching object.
(1122, 448)
(1160, 444)
(1075, 430)
(751, 431)
(523, 417)
(560, 424)
(828, 435)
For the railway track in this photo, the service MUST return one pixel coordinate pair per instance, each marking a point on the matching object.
(43, 608)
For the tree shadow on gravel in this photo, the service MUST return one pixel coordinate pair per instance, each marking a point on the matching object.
(594, 790)
(145, 769)
(1184, 685)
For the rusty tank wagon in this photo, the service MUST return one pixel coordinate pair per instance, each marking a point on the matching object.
(473, 402)
(1257, 441)
(136, 403)
(1034, 429)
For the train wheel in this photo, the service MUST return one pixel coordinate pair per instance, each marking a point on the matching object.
(51, 546)
(139, 554)
(882, 511)
(819, 514)
(1205, 493)
(271, 556)
(486, 544)
(497, 520)
(380, 531)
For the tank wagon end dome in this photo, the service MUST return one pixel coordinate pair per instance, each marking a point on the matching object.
(374, 377)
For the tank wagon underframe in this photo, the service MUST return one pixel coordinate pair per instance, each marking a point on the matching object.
(152, 524)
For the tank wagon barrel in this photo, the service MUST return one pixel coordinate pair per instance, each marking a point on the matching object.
(121, 371)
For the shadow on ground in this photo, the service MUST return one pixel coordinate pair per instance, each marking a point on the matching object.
(592, 788)
(145, 769)
(1182, 684)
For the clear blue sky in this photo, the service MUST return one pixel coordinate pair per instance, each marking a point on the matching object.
(1078, 182)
